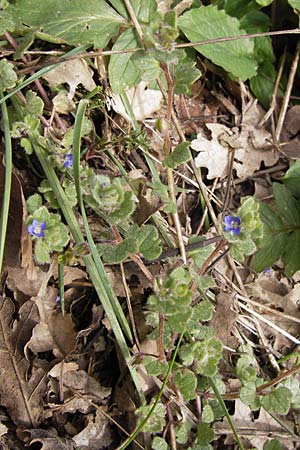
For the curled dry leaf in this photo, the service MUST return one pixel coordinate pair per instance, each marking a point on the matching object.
(251, 146)
(21, 397)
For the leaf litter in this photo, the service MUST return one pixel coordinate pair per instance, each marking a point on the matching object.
(63, 370)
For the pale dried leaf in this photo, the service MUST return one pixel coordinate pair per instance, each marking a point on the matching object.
(96, 435)
(73, 73)
(144, 102)
(21, 397)
(3, 429)
(250, 144)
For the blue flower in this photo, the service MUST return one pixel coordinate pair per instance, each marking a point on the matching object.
(37, 228)
(68, 160)
(232, 224)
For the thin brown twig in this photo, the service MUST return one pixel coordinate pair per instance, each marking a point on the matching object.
(184, 45)
(287, 94)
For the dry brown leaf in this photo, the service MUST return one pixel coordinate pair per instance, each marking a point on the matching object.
(18, 245)
(80, 383)
(274, 294)
(251, 146)
(257, 431)
(290, 133)
(54, 331)
(47, 438)
(73, 73)
(96, 435)
(224, 319)
(21, 397)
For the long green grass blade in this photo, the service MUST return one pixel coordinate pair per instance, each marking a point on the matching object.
(7, 182)
(97, 260)
(223, 406)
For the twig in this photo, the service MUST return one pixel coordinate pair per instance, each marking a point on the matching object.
(134, 20)
(287, 94)
(128, 300)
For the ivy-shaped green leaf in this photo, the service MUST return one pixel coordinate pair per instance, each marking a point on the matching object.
(279, 401)
(180, 155)
(8, 76)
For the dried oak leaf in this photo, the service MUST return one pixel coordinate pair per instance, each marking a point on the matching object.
(21, 396)
(250, 144)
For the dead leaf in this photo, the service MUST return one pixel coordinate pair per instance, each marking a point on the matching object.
(290, 133)
(21, 397)
(224, 319)
(276, 295)
(257, 431)
(18, 245)
(250, 144)
(96, 435)
(144, 102)
(73, 73)
(47, 438)
(54, 331)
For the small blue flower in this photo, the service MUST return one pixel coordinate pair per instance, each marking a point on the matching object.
(58, 300)
(268, 272)
(232, 224)
(37, 228)
(68, 160)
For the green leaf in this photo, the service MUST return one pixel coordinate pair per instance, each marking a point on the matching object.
(123, 73)
(156, 421)
(291, 178)
(207, 414)
(279, 401)
(33, 203)
(180, 155)
(205, 434)
(186, 74)
(7, 22)
(144, 9)
(264, 2)
(270, 252)
(273, 444)
(116, 253)
(295, 4)
(262, 85)
(75, 22)
(42, 252)
(57, 237)
(207, 22)
(148, 240)
(8, 76)
(290, 257)
(182, 432)
(286, 204)
(159, 443)
(186, 381)
(249, 397)
(238, 8)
